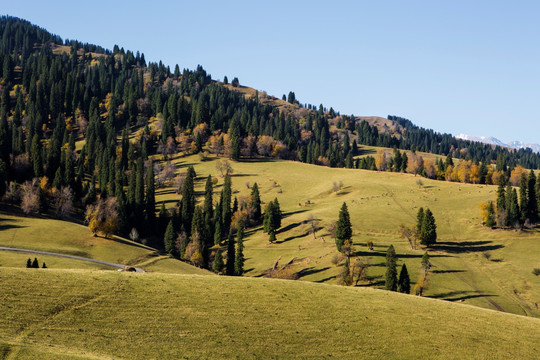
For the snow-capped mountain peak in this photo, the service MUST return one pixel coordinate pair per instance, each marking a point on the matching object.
(494, 141)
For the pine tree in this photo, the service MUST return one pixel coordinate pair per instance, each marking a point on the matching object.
(217, 265)
(419, 221)
(208, 191)
(29, 263)
(429, 229)
(230, 255)
(490, 220)
(272, 219)
(150, 198)
(239, 258)
(404, 282)
(188, 199)
(225, 201)
(523, 199)
(256, 203)
(532, 204)
(35, 263)
(344, 228)
(169, 238)
(501, 194)
(44, 266)
(391, 271)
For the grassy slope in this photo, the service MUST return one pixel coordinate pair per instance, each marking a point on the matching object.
(73, 239)
(51, 314)
(378, 203)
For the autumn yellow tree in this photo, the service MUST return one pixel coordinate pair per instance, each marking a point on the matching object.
(415, 163)
(103, 216)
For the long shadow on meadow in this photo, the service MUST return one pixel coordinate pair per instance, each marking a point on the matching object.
(311, 270)
(7, 226)
(465, 246)
(460, 295)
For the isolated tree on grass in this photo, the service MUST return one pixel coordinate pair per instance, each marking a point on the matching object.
(428, 233)
(272, 219)
(344, 229)
(391, 271)
(256, 203)
(404, 282)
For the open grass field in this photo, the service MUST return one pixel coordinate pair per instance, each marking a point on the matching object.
(378, 202)
(81, 314)
(72, 239)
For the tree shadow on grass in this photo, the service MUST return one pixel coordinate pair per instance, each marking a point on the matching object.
(310, 271)
(293, 212)
(460, 295)
(447, 271)
(399, 256)
(326, 279)
(465, 246)
(8, 226)
(288, 227)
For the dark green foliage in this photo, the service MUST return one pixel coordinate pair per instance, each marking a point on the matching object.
(490, 220)
(344, 228)
(225, 201)
(188, 199)
(217, 265)
(3, 177)
(235, 82)
(523, 199)
(272, 219)
(404, 282)
(256, 203)
(532, 203)
(230, 255)
(426, 264)
(501, 194)
(44, 266)
(419, 220)
(35, 263)
(239, 258)
(150, 197)
(428, 232)
(169, 239)
(391, 282)
(29, 263)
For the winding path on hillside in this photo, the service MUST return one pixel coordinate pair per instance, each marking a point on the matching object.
(120, 266)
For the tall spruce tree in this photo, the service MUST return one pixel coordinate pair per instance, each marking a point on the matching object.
(188, 199)
(217, 265)
(230, 255)
(404, 282)
(169, 239)
(429, 229)
(391, 271)
(150, 198)
(523, 199)
(256, 203)
(343, 227)
(239, 256)
(225, 201)
(532, 204)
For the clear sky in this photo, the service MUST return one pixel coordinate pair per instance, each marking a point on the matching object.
(454, 66)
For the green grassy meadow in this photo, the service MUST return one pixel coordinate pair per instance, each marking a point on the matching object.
(82, 314)
(73, 239)
(378, 202)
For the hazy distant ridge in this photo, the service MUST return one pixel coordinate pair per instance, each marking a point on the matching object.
(494, 141)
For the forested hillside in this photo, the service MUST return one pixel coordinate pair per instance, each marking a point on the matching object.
(81, 128)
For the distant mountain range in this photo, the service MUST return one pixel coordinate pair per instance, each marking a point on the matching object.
(494, 141)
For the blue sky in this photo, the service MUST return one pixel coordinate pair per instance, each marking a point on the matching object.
(455, 66)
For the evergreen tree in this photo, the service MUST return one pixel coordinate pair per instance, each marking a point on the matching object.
(188, 199)
(239, 258)
(217, 265)
(230, 255)
(429, 229)
(225, 201)
(523, 199)
(344, 228)
(150, 198)
(419, 221)
(208, 191)
(169, 238)
(256, 203)
(501, 194)
(29, 263)
(272, 219)
(490, 220)
(532, 204)
(404, 282)
(391, 271)
(35, 263)
(44, 266)
(36, 157)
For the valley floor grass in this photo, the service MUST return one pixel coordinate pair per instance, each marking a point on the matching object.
(57, 314)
